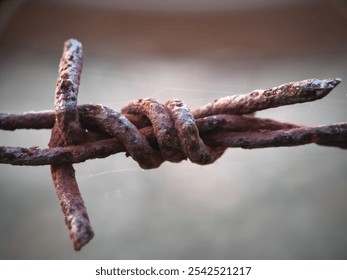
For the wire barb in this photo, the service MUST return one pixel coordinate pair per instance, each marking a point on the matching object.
(68, 131)
(257, 100)
(151, 132)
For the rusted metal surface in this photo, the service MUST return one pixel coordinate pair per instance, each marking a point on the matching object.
(257, 100)
(152, 133)
(68, 131)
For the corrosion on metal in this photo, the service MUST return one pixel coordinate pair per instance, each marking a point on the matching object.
(257, 100)
(68, 131)
(152, 133)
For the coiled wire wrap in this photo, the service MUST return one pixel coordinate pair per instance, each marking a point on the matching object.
(176, 134)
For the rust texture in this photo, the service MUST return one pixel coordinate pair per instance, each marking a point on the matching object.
(152, 133)
(68, 131)
(290, 93)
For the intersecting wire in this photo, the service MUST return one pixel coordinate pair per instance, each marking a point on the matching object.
(151, 132)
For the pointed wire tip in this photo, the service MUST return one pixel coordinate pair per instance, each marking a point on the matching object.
(325, 83)
(330, 84)
(333, 82)
(321, 88)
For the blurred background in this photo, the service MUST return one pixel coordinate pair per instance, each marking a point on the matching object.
(282, 203)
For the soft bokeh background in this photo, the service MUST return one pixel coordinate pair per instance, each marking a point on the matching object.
(283, 203)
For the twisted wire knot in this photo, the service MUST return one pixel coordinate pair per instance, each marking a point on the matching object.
(176, 135)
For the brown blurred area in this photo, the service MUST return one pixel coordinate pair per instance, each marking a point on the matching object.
(280, 30)
(284, 203)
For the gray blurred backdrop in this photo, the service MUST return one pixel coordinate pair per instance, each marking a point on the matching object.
(282, 203)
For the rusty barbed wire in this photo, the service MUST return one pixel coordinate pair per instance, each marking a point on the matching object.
(68, 131)
(152, 133)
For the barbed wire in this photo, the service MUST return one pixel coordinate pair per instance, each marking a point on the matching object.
(151, 132)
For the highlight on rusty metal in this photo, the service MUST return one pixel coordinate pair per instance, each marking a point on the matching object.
(151, 132)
